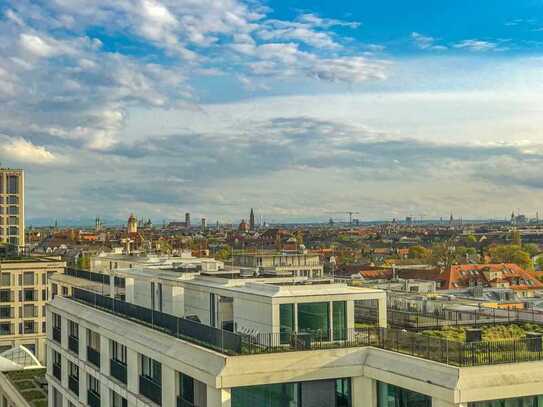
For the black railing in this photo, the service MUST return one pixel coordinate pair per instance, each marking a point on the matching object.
(96, 277)
(93, 356)
(57, 371)
(73, 384)
(73, 344)
(151, 389)
(93, 399)
(192, 331)
(411, 343)
(57, 334)
(118, 370)
(398, 317)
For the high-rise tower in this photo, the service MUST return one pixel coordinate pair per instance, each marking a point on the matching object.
(252, 220)
(187, 220)
(12, 192)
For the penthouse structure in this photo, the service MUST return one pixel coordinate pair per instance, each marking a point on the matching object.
(202, 339)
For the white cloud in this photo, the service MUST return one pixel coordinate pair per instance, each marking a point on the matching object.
(476, 45)
(426, 42)
(21, 150)
(37, 46)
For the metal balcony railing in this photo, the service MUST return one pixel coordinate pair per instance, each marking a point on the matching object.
(73, 384)
(93, 399)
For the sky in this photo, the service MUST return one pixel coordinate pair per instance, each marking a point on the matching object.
(299, 109)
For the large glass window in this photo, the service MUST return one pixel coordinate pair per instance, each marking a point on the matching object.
(530, 401)
(151, 369)
(286, 321)
(329, 393)
(13, 184)
(314, 318)
(339, 317)
(186, 387)
(118, 352)
(394, 396)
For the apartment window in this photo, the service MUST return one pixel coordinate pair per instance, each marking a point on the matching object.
(13, 210)
(44, 295)
(44, 327)
(5, 296)
(12, 200)
(73, 329)
(5, 279)
(5, 312)
(117, 400)
(64, 291)
(54, 290)
(93, 394)
(13, 221)
(93, 347)
(186, 389)
(29, 294)
(151, 369)
(5, 328)
(286, 321)
(394, 396)
(29, 327)
(29, 311)
(118, 352)
(57, 365)
(44, 278)
(57, 324)
(13, 184)
(57, 398)
(28, 278)
(314, 318)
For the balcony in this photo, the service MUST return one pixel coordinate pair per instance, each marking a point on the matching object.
(73, 384)
(93, 356)
(57, 371)
(411, 343)
(57, 335)
(93, 399)
(118, 370)
(151, 389)
(73, 344)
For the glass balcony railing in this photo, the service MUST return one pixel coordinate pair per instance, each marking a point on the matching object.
(151, 389)
(118, 370)
(73, 384)
(73, 344)
(57, 335)
(93, 399)
(93, 356)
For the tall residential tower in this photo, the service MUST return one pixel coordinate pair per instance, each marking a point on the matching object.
(12, 219)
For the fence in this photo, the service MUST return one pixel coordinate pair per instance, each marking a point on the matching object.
(417, 320)
(96, 277)
(396, 340)
(218, 339)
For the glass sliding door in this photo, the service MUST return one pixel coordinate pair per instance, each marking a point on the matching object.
(339, 317)
(394, 396)
(270, 395)
(314, 318)
(529, 401)
(286, 322)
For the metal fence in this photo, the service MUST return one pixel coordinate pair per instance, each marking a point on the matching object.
(96, 277)
(416, 320)
(397, 340)
(218, 339)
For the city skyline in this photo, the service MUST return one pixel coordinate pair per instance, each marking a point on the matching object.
(292, 110)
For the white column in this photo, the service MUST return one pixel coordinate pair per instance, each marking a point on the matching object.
(218, 397)
(382, 308)
(132, 368)
(64, 333)
(82, 343)
(169, 392)
(82, 385)
(364, 391)
(104, 355)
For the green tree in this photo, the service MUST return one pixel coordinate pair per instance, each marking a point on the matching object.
(225, 254)
(510, 254)
(531, 248)
(418, 252)
(516, 239)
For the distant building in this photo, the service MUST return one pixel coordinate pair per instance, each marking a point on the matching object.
(23, 295)
(187, 220)
(243, 226)
(203, 225)
(12, 216)
(132, 224)
(252, 220)
(294, 264)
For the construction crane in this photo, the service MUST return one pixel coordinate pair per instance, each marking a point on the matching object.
(350, 213)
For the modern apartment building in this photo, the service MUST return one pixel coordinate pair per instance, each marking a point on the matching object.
(286, 342)
(12, 212)
(23, 295)
(293, 263)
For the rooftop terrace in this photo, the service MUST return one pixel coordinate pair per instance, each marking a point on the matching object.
(450, 352)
